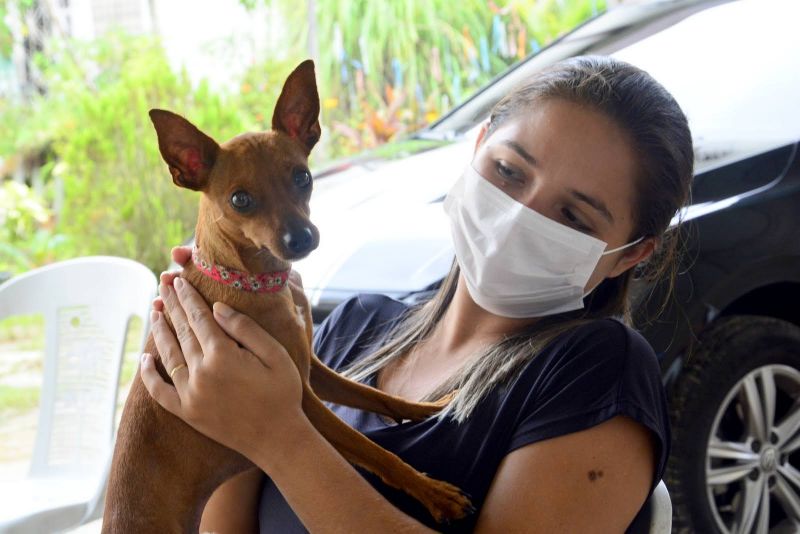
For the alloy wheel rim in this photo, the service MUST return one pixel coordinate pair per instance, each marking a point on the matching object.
(753, 454)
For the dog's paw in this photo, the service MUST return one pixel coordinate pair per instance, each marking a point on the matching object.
(444, 501)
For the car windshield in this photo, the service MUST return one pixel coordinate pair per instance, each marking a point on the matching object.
(734, 75)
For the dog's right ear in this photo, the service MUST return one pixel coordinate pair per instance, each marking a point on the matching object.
(189, 153)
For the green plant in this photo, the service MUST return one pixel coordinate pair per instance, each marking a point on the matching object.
(27, 238)
(118, 196)
(6, 40)
(15, 399)
(387, 68)
(21, 327)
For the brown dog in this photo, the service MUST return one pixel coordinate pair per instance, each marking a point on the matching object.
(253, 218)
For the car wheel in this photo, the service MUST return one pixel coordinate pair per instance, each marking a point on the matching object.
(735, 412)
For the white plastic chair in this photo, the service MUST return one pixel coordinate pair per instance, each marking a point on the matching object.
(86, 304)
(661, 519)
(656, 516)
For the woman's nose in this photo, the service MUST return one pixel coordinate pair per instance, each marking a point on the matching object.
(540, 198)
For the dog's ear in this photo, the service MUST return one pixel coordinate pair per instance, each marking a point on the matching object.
(297, 110)
(189, 152)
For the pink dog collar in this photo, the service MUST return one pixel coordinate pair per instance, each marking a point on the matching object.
(270, 282)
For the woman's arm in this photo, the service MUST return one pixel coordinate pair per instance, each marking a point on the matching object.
(594, 480)
(326, 492)
(233, 507)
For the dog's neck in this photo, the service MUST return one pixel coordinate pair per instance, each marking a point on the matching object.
(266, 282)
(218, 247)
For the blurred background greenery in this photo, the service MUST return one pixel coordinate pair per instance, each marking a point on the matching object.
(80, 171)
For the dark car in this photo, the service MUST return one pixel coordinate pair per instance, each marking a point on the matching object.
(729, 340)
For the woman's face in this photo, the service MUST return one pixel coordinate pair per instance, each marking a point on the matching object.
(573, 165)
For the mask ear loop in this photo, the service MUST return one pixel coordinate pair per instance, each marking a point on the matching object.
(623, 247)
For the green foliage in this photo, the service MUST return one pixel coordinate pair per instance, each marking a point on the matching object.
(21, 211)
(260, 87)
(5, 33)
(22, 327)
(16, 399)
(387, 68)
(26, 235)
(118, 196)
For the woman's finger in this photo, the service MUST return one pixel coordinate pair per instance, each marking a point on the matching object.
(295, 278)
(248, 333)
(181, 255)
(167, 277)
(158, 304)
(163, 393)
(189, 346)
(296, 288)
(169, 350)
(206, 330)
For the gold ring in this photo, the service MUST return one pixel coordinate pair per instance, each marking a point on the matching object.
(176, 369)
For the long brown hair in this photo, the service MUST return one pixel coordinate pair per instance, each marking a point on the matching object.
(659, 133)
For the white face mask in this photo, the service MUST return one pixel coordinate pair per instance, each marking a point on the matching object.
(517, 262)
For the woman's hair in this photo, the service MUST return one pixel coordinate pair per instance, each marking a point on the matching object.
(659, 133)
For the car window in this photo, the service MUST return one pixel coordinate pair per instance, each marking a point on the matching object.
(733, 69)
(731, 66)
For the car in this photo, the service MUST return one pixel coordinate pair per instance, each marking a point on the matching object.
(729, 340)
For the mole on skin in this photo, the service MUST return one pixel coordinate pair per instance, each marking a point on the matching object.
(594, 475)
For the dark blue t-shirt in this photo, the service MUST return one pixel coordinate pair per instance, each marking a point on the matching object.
(583, 378)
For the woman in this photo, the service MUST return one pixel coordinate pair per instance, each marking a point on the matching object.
(558, 422)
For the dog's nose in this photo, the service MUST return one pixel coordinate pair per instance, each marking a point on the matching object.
(299, 241)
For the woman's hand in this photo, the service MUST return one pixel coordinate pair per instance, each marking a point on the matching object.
(181, 256)
(233, 382)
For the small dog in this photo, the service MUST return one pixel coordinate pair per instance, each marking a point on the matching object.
(253, 218)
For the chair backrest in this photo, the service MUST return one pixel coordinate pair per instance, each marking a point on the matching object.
(661, 510)
(655, 517)
(87, 304)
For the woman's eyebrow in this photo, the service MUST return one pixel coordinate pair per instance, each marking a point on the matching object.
(596, 203)
(516, 147)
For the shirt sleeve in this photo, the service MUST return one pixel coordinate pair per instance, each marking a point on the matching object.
(603, 370)
(354, 326)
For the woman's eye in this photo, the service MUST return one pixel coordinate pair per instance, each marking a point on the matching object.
(302, 178)
(241, 201)
(505, 171)
(574, 221)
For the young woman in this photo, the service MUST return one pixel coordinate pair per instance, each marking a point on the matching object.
(559, 419)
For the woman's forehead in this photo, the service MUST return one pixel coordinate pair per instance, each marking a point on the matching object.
(577, 147)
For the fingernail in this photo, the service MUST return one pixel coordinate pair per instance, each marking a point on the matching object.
(145, 358)
(223, 309)
(178, 283)
(153, 317)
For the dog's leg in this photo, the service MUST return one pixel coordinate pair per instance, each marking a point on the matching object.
(301, 301)
(333, 387)
(443, 500)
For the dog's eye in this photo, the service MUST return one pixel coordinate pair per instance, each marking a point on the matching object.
(302, 178)
(241, 201)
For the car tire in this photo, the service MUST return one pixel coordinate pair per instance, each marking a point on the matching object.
(718, 400)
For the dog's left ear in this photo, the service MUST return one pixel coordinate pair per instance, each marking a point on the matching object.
(297, 110)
